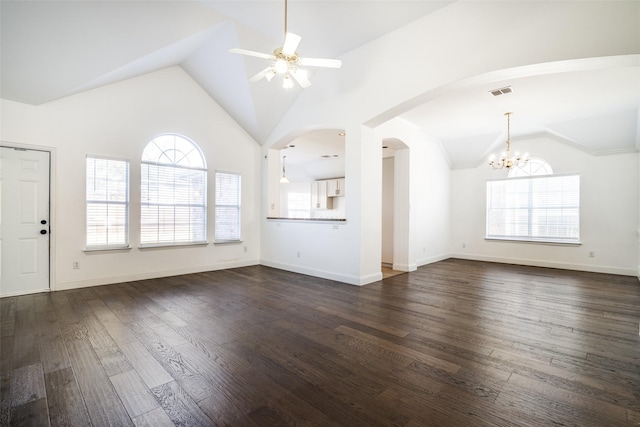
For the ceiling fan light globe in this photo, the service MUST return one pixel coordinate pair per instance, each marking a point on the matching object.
(281, 66)
(287, 83)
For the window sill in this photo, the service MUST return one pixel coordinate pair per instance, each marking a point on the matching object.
(535, 241)
(227, 242)
(308, 220)
(107, 248)
(171, 245)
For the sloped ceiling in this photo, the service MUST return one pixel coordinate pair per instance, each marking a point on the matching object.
(53, 49)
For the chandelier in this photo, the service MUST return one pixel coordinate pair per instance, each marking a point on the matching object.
(506, 161)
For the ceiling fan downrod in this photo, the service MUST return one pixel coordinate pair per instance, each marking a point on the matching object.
(285, 18)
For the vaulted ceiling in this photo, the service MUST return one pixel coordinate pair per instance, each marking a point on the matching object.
(53, 49)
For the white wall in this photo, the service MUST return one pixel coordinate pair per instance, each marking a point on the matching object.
(117, 121)
(422, 197)
(329, 249)
(369, 91)
(387, 209)
(608, 212)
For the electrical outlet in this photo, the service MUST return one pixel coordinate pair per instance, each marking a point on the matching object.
(298, 254)
(245, 249)
(464, 245)
(76, 265)
(592, 254)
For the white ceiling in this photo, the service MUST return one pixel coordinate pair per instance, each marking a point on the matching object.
(595, 110)
(53, 49)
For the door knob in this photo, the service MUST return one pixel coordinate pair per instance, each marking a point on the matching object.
(43, 231)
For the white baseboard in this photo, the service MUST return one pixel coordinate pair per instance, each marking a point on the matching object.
(348, 279)
(405, 267)
(20, 293)
(61, 286)
(351, 280)
(432, 259)
(549, 264)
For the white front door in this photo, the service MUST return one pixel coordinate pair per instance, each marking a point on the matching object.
(24, 221)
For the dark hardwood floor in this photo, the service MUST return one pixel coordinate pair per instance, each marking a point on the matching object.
(456, 343)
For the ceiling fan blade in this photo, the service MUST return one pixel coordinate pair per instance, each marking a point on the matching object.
(267, 73)
(251, 53)
(301, 77)
(291, 42)
(320, 62)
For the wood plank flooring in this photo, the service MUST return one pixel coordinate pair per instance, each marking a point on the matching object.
(455, 343)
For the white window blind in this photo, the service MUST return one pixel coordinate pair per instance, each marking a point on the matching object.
(228, 207)
(107, 203)
(539, 208)
(173, 192)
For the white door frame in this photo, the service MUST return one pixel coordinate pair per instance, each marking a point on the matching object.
(402, 215)
(52, 198)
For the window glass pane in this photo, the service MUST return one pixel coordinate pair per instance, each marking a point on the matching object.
(107, 203)
(173, 192)
(299, 205)
(228, 207)
(174, 150)
(534, 166)
(544, 208)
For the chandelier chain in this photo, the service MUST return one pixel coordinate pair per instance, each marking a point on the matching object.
(506, 161)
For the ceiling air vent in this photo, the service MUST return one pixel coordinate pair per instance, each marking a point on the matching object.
(501, 91)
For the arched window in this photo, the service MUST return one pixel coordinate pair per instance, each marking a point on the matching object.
(173, 192)
(533, 204)
(534, 166)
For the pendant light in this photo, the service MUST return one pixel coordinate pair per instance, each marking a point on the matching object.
(284, 179)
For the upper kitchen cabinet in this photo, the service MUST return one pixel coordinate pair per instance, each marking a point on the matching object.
(320, 195)
(335, 187)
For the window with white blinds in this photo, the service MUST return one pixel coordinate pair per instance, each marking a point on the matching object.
(107, 203)
(228, 207)
(542, 208)
(173, 195)
(298, 205)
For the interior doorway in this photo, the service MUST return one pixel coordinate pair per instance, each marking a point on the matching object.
(387, 215)
(395, 208)
(24, 229)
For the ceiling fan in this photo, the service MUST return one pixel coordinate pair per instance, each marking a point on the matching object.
(285, 60)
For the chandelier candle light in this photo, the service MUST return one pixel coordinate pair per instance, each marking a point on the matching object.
(506, 161)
